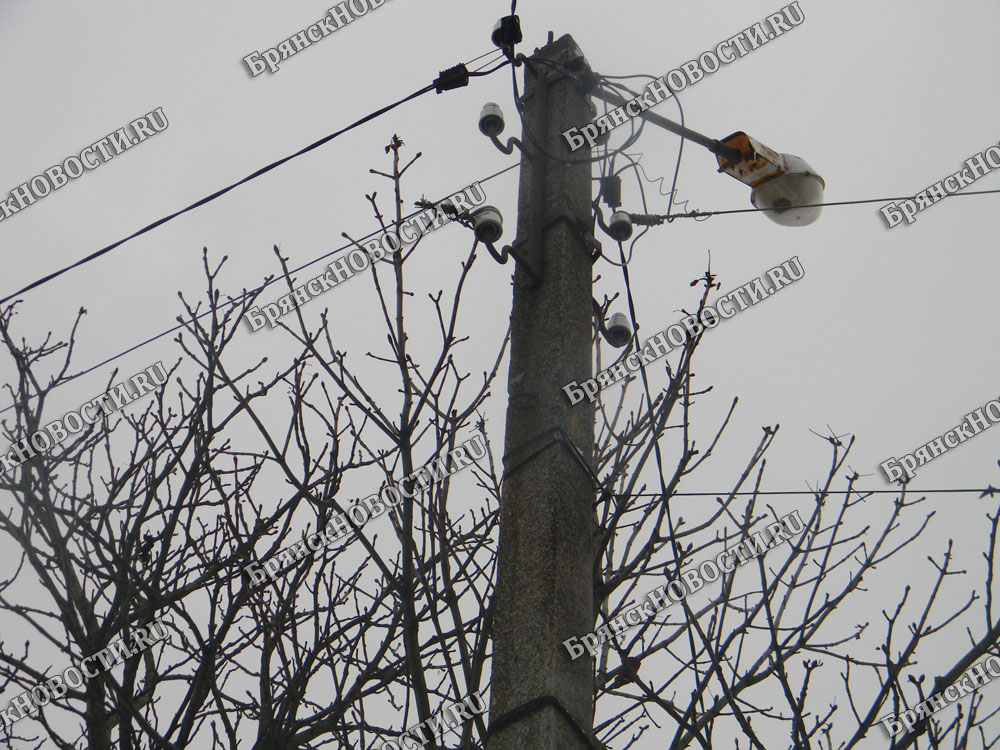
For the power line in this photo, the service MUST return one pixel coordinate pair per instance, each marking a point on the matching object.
(696, 214)
(497, 56)
(263, 170)
(236, 300)
(988, 491)
(485, 54)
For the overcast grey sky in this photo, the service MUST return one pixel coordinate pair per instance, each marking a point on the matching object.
(890, 336)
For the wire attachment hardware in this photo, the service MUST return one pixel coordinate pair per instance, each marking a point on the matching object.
(454, 77)
(507, 33)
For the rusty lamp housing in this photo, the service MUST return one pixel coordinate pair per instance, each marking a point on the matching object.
(783, 184)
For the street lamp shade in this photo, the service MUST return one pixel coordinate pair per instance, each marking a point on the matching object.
(784, 185)
(791, 196)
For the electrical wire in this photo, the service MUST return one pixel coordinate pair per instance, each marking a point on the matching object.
(623, 265)
(635, 163)
(480, 57)
(607, 167)
(644, 377)
(235, 300)
(497, 56)
(492, 70)
(640, 174)
(987, 491)
(631, 75)
(527, 127)
(680, 154)
(696, 214)
(219, 193)
(636, 125)
(669, 217)
(635, 160)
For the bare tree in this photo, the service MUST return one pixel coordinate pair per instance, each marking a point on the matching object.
(160, 511)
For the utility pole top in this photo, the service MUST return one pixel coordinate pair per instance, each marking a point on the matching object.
(564, 49)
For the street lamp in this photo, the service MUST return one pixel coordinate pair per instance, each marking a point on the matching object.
(785, 186)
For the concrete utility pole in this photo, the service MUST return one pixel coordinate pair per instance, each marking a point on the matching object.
(544, 591)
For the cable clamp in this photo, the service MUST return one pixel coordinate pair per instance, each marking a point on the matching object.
(453, 78)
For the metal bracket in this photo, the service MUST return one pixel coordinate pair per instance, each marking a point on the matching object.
(534, 266)
(541, 702)
(557, 436)
(509, 148)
